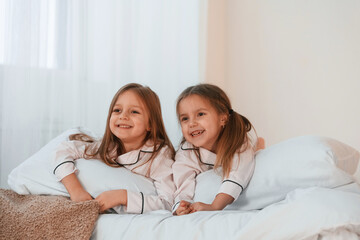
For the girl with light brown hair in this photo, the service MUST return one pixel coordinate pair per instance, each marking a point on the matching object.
(134, 138)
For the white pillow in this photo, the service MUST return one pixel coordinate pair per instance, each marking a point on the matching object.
(35, 174)
(299, 162)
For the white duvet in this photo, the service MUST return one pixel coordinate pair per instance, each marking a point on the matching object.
(306, 187)
(311, 213)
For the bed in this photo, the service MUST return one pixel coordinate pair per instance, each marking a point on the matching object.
(303, 188)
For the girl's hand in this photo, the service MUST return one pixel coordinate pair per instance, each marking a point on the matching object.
(199, 206)
(111, 199)
(80, 196)
(220, 202)
(184, 208)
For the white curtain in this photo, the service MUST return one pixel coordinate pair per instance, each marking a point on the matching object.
(61, 62)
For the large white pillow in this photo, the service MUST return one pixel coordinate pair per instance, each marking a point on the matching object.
(299, 162)
(35, 174)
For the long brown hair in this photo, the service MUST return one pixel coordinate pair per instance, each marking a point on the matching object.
(234, 134)
(110, 143)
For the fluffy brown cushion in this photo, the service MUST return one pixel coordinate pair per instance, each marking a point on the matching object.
(45, 217)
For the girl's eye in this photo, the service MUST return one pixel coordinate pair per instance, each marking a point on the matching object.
(201, 114)
(116, 110)
(183, 119)
(135, 112)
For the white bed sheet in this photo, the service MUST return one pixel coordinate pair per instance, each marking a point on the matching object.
(311, 213)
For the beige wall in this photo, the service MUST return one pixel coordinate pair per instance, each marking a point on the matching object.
(292, 67)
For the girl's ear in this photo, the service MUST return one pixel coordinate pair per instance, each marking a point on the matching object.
(148, 129)
(223, 119)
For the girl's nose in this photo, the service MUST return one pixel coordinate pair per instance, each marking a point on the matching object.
(123, 115)
(193, 123)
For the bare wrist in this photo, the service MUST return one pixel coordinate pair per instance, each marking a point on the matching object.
(123, 197)
(215, 206)
(76, 190)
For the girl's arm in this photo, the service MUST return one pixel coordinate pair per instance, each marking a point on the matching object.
(185, 170)
(161, 173)
(242, 169)
(75, 189)
(220, 202)
(64, 168)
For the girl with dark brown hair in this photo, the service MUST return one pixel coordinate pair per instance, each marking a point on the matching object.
(214, 136)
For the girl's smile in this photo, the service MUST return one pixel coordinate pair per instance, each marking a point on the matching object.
(197, 133)
(124, 126)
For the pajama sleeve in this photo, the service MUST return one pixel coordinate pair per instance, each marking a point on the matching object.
(66, 154)
(161, 173)
(185, 171)
(242, 169)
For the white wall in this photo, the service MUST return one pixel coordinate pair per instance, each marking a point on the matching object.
(293, 67)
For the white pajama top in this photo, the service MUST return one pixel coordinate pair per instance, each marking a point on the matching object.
(136, 161)
(188, 165)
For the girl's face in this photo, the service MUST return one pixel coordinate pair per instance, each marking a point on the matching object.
(200, 123)
(129, 120)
